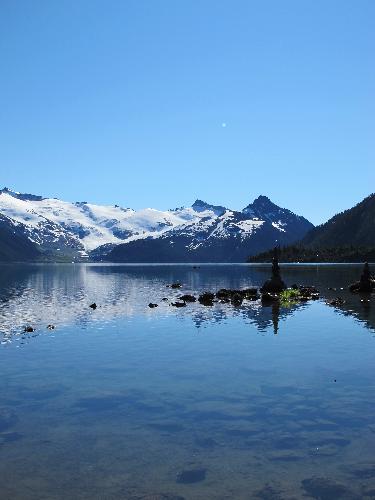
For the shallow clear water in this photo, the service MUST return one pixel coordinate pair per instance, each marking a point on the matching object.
(223, 402)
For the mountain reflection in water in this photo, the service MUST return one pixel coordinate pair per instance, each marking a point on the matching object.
(190, 403)
(39, 295)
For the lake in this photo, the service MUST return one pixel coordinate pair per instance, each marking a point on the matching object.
(222, 402)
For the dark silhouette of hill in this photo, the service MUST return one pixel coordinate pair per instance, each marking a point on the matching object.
(353, 227)
(347, 237)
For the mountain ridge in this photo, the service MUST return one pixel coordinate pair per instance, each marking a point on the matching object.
(353, 226)
(79, 230)
(348, 236)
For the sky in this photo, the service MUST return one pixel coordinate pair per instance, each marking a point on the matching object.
(154, 103)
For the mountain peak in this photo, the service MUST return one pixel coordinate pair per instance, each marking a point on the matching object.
(262, 200)
(21, 196)
(7, 190)
(262, 197)
(262, 203)
(201, 206)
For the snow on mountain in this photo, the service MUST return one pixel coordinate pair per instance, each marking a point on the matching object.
(202, 206)
(76, 229)
(43, 231)
(221, 235)
(14, 244)
(83, 226)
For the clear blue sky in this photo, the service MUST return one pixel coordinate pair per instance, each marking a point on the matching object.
(119, 101)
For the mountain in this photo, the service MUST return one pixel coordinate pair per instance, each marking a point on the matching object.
(355, 226)
(14, 244)
(66, 230)
(280, 218)
(61, 230)
(220, 235)
(347, 237)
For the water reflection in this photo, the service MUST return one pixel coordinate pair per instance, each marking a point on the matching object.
(194, 403)
(60, 294)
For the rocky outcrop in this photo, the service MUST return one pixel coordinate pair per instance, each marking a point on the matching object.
(366, 284)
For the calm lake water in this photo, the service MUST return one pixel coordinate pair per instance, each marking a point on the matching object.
(222, 402)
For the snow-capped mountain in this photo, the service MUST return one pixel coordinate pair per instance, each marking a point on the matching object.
(80, 230)
(218, 235)
(14, 244)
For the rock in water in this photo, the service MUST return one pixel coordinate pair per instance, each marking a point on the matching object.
(187, 298)
(206, 299)
(268, 298)
(366, 284)
(338, 301)
(236, 299)
(174, 285)
(275, 284)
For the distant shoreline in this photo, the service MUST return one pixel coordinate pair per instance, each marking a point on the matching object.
(305, 254)
(196, 265)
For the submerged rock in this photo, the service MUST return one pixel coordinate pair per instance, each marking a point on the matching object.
(191, 476)
(322, 488)
(93, 306)
(268, 493)
(29, 329)
(362, 470)
(178, 304)
(50, 327)
(151, 305)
